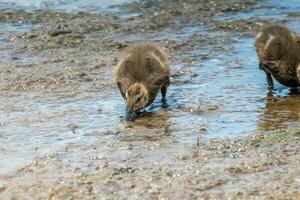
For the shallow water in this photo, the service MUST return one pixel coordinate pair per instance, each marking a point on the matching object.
(228, 98)
(63, 6)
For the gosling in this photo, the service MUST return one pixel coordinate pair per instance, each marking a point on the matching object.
(142, 70)
(278, 50)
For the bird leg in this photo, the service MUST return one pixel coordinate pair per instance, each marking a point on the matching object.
(268, 76)
(163, 89)
(164, 101)
(270, 80)
(261, 67)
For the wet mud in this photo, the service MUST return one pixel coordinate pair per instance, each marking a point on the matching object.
(223, 135)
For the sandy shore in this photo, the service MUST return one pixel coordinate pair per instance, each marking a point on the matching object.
(61, 58)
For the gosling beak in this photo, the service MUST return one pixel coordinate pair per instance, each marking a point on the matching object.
(130, 114)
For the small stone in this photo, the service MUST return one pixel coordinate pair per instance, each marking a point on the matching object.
(2, 188)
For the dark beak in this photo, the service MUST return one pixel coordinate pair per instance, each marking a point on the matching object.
(130, 114)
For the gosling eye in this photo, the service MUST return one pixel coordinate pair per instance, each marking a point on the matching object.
(139, 100)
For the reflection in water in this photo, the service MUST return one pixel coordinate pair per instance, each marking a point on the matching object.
(151, 126)
(279, 111)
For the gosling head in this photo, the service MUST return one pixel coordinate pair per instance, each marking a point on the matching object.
(136, 98)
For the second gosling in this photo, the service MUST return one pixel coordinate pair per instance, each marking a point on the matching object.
(278, 50)
(142, 70)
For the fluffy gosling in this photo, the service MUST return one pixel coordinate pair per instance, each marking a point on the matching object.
(278, 50)
(142, 70)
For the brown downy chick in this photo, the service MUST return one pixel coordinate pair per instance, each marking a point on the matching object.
(142, 70)
(278, 50)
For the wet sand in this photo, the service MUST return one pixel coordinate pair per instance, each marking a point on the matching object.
(223, 135)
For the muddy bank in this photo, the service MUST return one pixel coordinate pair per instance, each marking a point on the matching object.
(261, 166)
(61, 115)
